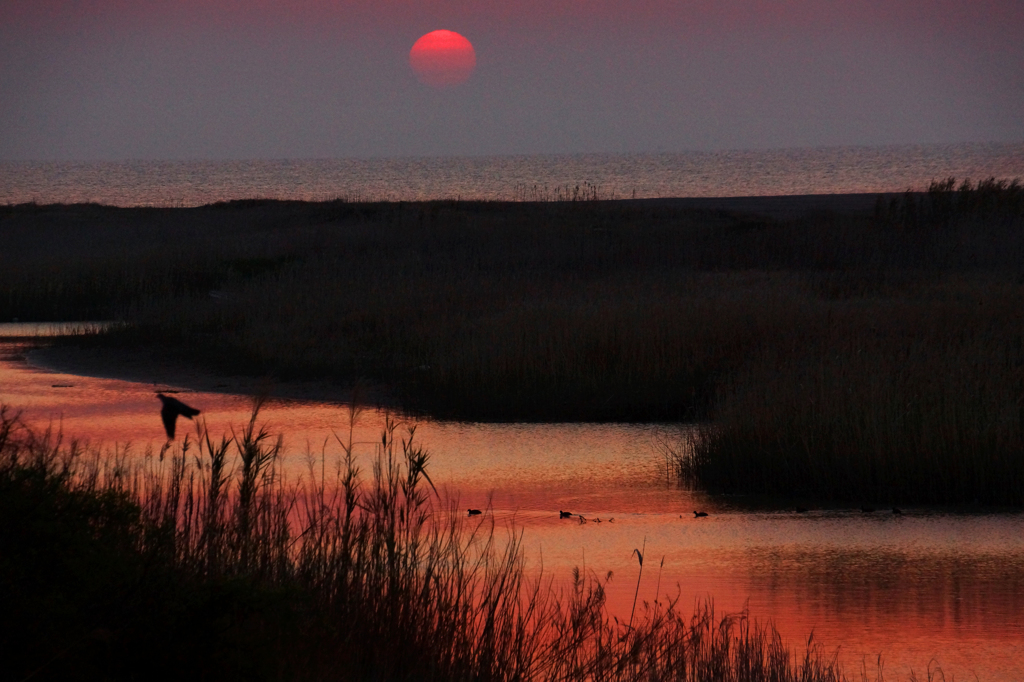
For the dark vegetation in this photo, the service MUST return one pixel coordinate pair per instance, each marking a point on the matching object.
(842, 355)
(901, 384)
(205, 563)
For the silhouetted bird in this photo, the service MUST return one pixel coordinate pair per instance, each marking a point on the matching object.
(170, 411)
(474, 512)
(699, 515)
(564, 514)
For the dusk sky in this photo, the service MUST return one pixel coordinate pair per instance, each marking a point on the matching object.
(240, 79)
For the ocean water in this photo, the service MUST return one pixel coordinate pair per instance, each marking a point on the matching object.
(828, 170)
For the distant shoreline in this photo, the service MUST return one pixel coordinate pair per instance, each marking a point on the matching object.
(776, 206)
(780, 206)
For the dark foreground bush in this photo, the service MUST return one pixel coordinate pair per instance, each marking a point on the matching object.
(205, 563)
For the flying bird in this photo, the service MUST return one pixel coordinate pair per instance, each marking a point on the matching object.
(170, 411)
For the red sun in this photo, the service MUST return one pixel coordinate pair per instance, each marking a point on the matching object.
(442, 59)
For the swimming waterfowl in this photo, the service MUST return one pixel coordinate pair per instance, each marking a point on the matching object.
(172, 407)
(564, 514)
(474, 512)
(699, 515)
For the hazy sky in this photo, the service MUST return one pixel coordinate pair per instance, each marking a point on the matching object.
(220, 79)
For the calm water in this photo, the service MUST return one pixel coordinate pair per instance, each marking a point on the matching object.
(925, 587)
(720, 174)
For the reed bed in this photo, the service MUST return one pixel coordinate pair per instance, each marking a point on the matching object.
(892, 338)
(915, 401)
(203, 562)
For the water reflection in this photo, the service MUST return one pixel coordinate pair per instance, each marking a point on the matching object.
(963, 608)
(915, 587)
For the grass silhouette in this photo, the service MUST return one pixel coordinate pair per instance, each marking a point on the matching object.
(209, 564)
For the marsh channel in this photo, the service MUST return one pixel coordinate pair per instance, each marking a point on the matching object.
(926, 589)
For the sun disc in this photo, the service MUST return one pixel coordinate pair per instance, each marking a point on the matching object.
(443, 59)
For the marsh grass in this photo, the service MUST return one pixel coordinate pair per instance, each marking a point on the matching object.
(892, 338)
(560, 193)
(918, 401)
(946, 204)
(204, 562)
(916, 398)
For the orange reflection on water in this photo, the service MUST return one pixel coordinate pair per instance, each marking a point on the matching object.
(914, 588)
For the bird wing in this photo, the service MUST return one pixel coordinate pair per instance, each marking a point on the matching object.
(169, 415)
(180, 407)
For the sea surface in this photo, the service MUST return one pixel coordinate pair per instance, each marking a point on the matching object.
(827, 170)
(930, 588)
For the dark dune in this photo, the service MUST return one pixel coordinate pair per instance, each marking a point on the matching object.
(789, 207)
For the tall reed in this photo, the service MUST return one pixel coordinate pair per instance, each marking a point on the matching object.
(206, 562)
